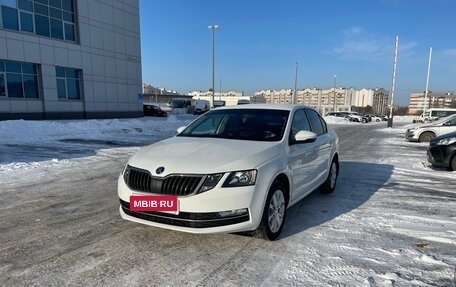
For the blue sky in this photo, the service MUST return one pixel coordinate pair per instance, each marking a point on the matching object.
(259, 42)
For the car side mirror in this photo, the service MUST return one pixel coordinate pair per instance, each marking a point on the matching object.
(181, 129)
(305, 137)
(447, 124)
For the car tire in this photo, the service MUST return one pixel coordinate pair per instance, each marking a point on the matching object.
(426, 137)
(274, 213)
(452, 165)
(364, 121)
(330, 184)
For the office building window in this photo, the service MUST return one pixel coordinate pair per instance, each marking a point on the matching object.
(49, 18)
(18, 80)
(68, 83)
(26, 22)
(10, 19)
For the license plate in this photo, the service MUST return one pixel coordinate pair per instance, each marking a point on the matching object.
(158, 203)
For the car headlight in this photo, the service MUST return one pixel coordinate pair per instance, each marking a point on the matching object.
(447, 141)
(210, 182)
(241, 178)
(126, 173)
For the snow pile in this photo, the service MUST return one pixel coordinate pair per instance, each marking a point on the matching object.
(332, 120)
(403, 119)
(20, 131)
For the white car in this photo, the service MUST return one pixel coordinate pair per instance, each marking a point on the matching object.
(374, 118)
(233, 169)
(426, 132)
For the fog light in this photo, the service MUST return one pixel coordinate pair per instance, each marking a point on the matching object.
(235, 212)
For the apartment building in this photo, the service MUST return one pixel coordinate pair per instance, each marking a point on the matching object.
(433, 100)
(328, 100)
(69, 59)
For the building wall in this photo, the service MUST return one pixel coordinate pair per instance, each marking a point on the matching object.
(363, 98)
(106, 52)
(433, 100)
(328, 100)
(380, 102)
(216, 94)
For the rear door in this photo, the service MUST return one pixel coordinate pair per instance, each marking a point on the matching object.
(322, 146)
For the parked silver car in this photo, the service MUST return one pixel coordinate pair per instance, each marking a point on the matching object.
(426, 132)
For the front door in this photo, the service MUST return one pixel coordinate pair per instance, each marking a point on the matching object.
(302, 158)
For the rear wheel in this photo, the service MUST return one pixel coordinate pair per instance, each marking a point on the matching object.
(426, 137)
(330, 184)
(274, 212)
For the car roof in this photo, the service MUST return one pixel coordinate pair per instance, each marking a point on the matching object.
(284, 107)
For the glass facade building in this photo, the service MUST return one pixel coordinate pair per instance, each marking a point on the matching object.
(69, 59)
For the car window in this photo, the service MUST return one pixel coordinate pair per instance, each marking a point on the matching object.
(206, 126)
(323, 124)
(315, 123)
(240, 124)
(299, 123)
(452, 122)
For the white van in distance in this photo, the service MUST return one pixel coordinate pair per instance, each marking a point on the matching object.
(201, 106)
(434, 114)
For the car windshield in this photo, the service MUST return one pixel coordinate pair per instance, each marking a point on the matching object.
(240, 124)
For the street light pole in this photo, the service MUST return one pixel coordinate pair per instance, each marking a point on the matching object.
(220, 91)
(390, 119)
(296, 85)
(335, 104)
(427, 81)
(213, 27)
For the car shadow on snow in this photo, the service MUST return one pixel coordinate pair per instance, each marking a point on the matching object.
(357, 182)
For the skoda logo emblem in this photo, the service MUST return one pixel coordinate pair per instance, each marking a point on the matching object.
(160, 170)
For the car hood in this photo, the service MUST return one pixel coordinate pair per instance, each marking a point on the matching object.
(444, 136)
(427, 126)
(203, 155)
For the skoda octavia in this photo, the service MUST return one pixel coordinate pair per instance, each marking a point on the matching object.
(233, 169)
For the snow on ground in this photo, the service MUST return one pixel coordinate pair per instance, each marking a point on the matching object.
(54, 137)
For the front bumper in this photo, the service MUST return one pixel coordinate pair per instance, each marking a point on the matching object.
(200, 213)
(440, 155)
(435, 157)
(410, 136)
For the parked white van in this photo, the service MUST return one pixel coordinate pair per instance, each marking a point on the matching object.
(434, 114)
(201, 106)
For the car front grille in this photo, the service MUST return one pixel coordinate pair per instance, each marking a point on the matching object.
(180, 185)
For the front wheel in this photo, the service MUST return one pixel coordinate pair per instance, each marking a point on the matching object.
(274, 212)
(330, 184)
(426, 137)
(453, 163)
